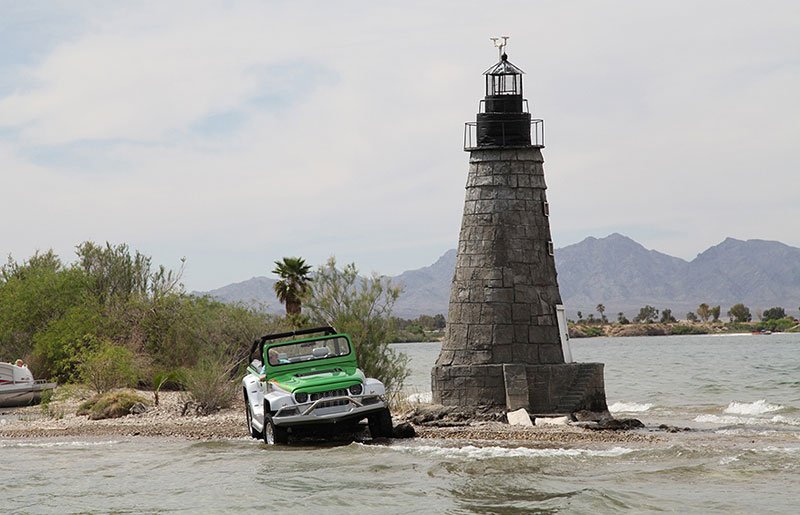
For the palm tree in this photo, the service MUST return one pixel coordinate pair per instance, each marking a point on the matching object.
(601, 309)
(293, 284)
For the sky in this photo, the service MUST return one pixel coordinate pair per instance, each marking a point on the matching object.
(236, 133)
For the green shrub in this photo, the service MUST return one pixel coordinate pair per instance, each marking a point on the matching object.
(209, 384)
(60, 347)
(776, 325)
(111, 404)
(168, 379)
(678, 329)
(109, 366)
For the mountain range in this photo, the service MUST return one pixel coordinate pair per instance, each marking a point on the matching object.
(615, 271)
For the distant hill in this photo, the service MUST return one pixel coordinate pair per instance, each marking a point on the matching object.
(256, 291)
(624, 276)
(426, 291)
(615, 271)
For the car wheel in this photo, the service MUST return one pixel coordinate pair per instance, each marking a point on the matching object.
(380, 424)
(274, 434)
(249, 414)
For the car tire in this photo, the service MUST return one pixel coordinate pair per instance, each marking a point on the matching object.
(249, 414)
(380, 424)
(274, 434)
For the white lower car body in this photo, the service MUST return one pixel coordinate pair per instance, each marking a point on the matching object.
(266, 399)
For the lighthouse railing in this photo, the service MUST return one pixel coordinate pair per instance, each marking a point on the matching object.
(471, 135)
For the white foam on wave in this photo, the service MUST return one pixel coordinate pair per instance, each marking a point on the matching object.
(629, 407)
(728, 459)
(751, 408)
(473, 452)
(47, 445)
(422, 398)
(786, 450)
(746, 421)
(780, 419)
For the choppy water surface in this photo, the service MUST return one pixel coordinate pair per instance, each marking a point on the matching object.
(742, 393)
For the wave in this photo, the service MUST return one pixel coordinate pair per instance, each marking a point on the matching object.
(787, 450)
(47, 445)
(780, 419)
(733, 420)
(630, 407)
(473, 452)
(751, 408)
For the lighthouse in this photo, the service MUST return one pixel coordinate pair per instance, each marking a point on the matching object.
(506, 344)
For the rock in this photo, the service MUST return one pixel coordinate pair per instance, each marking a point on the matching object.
(448, 416)
(613, 424)
(519, 417)
(403, 430)
(137, 409)
(673, 429)
(593, 416)
(552, 421)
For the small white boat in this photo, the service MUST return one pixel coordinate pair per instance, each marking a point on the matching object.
(18, 387)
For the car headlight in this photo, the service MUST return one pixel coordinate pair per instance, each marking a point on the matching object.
(356, 389)
(301, 397)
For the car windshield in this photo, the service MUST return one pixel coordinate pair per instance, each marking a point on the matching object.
(308, 351)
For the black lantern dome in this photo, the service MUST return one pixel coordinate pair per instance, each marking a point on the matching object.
(503, 119)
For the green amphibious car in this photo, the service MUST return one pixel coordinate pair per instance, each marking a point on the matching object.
(307, 378)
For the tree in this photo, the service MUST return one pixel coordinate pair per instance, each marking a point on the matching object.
(601, 309)
(740, 313)
(120, 274)
(666, 316)
(773, 314)
(108, 366)
(293, 284)
(580, 316)
(362, 308)
(704, 312)
(647, 315)
(622, 319)
(691, 317)
(715, 313)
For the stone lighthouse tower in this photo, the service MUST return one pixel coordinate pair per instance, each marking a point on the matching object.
(504, 345)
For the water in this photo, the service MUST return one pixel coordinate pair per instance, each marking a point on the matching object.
(741, 393)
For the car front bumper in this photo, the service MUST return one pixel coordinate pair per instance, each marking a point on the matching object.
(329, 410)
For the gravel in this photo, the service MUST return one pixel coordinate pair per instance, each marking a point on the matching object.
(165, 420)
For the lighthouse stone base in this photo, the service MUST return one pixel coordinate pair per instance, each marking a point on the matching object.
(551, 389)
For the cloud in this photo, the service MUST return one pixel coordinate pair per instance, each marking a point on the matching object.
(235, 134)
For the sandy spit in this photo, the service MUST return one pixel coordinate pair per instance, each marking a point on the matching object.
(165, 420)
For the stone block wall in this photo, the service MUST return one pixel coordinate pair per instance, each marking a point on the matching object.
(504, 291)
(541, 389)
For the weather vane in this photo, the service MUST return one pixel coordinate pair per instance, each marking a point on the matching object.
(500, 46)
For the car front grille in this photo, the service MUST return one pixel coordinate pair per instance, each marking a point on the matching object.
(330, 393)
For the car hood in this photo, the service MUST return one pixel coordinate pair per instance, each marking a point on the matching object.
(319, 379)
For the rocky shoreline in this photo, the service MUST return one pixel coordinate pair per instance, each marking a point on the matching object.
(58, 420)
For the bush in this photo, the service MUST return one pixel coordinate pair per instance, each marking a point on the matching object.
(209, 384)
(679, 329)
(111, 405)
(62, 345)
(780, 325)
(109, 366)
